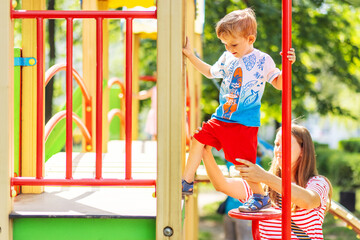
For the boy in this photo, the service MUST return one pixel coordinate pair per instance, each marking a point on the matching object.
(235, 123)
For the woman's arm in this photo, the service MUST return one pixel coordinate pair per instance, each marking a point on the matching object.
(300, 196)
(233, 187)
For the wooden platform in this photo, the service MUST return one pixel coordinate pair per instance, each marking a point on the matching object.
(87, 202)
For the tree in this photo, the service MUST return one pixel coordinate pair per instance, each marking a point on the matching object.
(325, 37)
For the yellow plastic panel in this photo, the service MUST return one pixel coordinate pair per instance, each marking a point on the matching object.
(131, 3)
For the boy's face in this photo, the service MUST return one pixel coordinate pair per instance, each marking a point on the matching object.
(239, 46)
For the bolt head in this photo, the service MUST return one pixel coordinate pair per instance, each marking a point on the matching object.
(168, 231)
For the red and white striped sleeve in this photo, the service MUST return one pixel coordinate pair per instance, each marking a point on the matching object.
(248, 192)
(319, 185)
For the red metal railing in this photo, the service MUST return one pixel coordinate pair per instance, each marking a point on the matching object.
(69, 16)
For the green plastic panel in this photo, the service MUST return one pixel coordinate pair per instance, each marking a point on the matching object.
(17, 53)
(114, 126)
(83, 229)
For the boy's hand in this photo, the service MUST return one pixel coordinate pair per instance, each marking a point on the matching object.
(187, 50)
(291, 55)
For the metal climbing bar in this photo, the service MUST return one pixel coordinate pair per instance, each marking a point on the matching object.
(128, 98)
(286, 121)
(69, 98)
(40, 97)
(99, 95)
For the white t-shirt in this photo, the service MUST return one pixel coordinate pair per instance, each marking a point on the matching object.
(242, 86)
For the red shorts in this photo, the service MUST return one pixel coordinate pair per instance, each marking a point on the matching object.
(236, 140)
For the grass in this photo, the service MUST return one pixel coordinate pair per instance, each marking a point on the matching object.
(335, 229)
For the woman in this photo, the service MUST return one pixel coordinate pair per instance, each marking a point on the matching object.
(310, 192)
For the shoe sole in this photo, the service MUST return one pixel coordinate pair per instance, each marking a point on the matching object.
(254, 211)
(187, 193)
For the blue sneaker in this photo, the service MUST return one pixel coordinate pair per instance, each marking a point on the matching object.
(256, 203)
(187, 188)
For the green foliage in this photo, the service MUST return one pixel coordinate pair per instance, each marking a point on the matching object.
(327, 47)
(205, 235)
(210, 212)
(350, 145)
(266, 163)
(340, 167)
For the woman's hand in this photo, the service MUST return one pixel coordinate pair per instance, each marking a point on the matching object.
(250, 171)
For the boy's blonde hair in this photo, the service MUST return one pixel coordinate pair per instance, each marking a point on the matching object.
(237, 23)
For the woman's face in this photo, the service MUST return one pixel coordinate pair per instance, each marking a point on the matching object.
(296, 149)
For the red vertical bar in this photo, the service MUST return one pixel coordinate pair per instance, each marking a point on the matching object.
(99, 95)
(69, 93)
(286, 121)
(40, 99)
(128, 98)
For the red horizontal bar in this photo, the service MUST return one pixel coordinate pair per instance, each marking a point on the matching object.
(53, 14)
(148, 78)
(29, 181)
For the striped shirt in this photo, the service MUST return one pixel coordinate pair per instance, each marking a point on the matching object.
(309, 220)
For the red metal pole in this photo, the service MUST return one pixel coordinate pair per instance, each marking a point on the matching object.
(40, 99)
(286, 121)
(128, 98)
(69, 93)
(255, 230)
(99, 95)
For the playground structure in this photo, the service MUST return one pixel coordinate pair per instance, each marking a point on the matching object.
(175, 20)
(171, 135)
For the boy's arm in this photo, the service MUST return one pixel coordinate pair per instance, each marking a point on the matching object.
(200, 65)
(277, 82)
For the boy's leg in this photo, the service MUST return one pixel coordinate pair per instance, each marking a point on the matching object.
(193, 161)
(259, 200)
(256, 188)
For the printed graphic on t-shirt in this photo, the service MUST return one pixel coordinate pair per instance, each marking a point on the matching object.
(232, 99)
(251, 99)
(242, 86)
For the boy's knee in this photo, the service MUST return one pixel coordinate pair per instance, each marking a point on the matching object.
(196, 143)
(207, 150)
